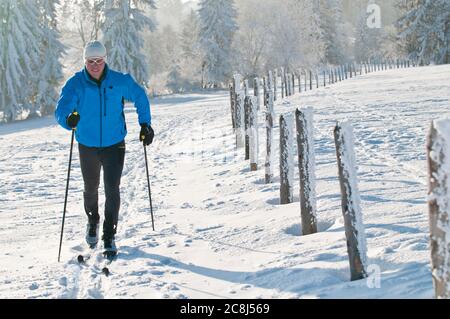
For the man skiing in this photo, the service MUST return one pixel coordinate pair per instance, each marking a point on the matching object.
(92, 103)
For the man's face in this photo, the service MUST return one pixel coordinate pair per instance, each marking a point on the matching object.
(95, 67)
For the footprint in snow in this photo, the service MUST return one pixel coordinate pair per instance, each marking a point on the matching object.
(186, 205)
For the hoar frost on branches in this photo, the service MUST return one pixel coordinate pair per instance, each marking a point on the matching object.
(124, 22)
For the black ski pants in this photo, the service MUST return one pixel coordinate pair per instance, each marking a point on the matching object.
(92, 159)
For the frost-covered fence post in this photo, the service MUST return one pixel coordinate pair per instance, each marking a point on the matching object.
(269, 136)
(346, 71)
(270, 82)
(282, 83)
(438, 152)
(293, 82)
(306, 81)
(289, 80)
(275, 84)
(286, 159)
(350, 70)
(247, 107)
(324, 79)
(235, 88)
(339, 74)
(317, 80)
(246, 87)
(240, 136)
(351, 209)
(232, 107)
(306, 165)
(299, 75)
(253, 133)
(287, 85)
(310, 80)
(256, 91)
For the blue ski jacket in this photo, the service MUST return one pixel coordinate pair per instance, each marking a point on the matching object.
(101, 106)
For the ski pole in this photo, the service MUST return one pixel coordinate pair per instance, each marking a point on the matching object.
(148, 183)
(67, 190)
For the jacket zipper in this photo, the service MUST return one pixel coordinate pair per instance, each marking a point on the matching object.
(100, 93)
(104, 100)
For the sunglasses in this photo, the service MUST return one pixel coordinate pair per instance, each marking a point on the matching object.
(98, 61)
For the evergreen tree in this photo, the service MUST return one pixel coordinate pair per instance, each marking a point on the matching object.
(428, 23)
(124, 22)
(217, 28)
(20, 56)
(335, 35)
(50, 71)
(191, 58)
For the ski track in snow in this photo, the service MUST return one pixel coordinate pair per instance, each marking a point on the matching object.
(219, 230)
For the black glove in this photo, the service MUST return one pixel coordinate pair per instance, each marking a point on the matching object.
(146, 135)
(73, 119)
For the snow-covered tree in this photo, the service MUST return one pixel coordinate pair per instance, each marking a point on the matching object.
(83, 17)
(367, 40)
(122, 35)
(252, 40)
(20, 36)
(217, 28)
(191, 56)
(297, 37)
(335, 30)
(50, 71)
(428, 22)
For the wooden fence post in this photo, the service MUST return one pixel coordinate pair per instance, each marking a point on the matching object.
(306, 81)
(354, 228)
(275, 84)
(310, 80)
(256, 91)
(293, 82)
(282, 83)
(438, 153)
(324, 79)
(286, 83)
(306, 164)
(269, 137)
(286, 159)
(253, 133)
(299, 75)
(247, 126)
(232, 105)
(317, 79)
(240, 118)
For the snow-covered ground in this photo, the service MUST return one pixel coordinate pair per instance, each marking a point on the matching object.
(220, 232)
